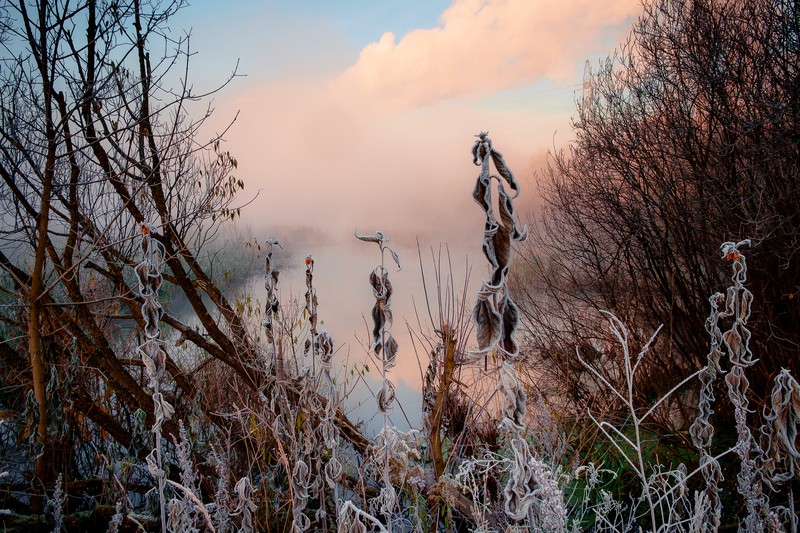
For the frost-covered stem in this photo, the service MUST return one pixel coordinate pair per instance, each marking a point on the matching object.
(160, 464)
(386, 476)
(149, 274)
(622, 336)
(348, 507)
(311, 307)
(197, 502)
(59, 502)
(272, 305)
(737, 342)
(496, 316)
(384, 346)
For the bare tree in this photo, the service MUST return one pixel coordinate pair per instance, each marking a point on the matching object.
(99, 142)
(685, 138)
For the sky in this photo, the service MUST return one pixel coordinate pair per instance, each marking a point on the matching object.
(359, 115)
(362, 113)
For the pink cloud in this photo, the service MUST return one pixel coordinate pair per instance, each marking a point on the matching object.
(382, 145)
(482, 46)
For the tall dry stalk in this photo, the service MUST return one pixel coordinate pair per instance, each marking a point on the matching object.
(272, 305)
(149, 274)
(385, 346)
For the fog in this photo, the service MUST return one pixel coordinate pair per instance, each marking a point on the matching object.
(444, 227)
(378, 137)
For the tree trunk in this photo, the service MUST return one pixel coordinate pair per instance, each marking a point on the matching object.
(39, 370)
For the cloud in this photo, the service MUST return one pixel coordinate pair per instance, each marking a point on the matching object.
(482, 46)
(390, 150)
(384, 144)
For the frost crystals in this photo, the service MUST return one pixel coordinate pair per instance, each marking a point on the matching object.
(154, 357)
(495, 314)
(385, 346)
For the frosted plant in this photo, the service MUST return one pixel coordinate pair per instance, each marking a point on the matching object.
(327, 428)
(311, 309)
(272, 306)
(610, 514)
(708, 506)
(402, 449)
(735, 343)
(222, 469)
(781, 456)
(533, 492)
(385, 346)
(116, 520)
(495, 314)
(332, 473)
(244, 504)
(183, 451)
(149, 273)
(581, 507)
(632, 448)
(181, 511)
(473, 478)
(59, 503)
(518, 491)
(301, 485)
(775, 458)
(351, 519)
(320, 344)
(179, 517)
(154, 358)
(671, 497)
(548, 509)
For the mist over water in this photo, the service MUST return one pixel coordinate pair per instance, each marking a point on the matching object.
(341, 280)
(435, 218)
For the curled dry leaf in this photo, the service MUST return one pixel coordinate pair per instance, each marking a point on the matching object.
(515, 399)
(390, 351)
(152, 313)
(244, 493)
(781, 454)
(325, 346)
(386, 396)
(519, 490)
(333, 472)
(488, 322)
(377, 237)
(152, 465)
(508, 344)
